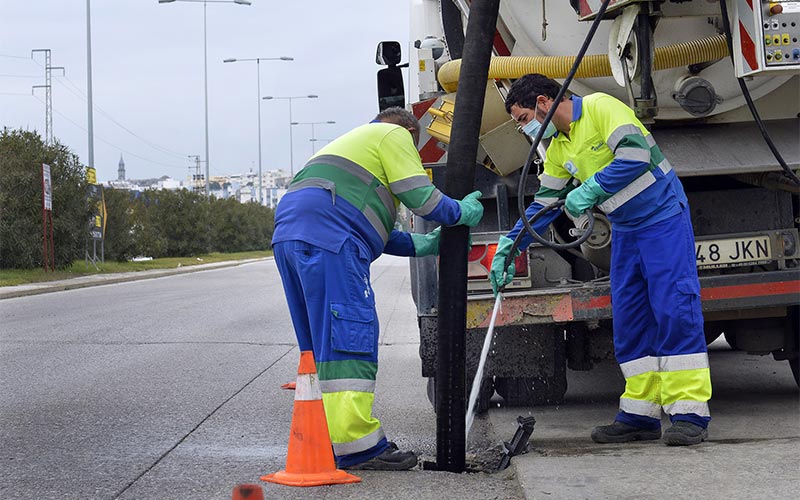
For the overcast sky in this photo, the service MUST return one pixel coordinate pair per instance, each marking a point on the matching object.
(147, 62)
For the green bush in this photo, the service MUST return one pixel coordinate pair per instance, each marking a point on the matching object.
(121, 243)
(182, 223)
(181, 219)
(153, 223)
(21, 156)
(238, 227)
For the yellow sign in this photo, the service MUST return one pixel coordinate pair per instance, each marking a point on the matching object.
(104, 212)
(91, 175)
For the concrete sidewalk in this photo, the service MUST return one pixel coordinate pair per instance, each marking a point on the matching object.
(10, 292)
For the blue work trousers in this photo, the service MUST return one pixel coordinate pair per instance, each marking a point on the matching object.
(333, 312)
(658, 324)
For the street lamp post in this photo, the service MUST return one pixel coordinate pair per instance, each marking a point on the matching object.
(90, 113)
(329, 122)
(290, 99)
(205, 64)
(258, 98)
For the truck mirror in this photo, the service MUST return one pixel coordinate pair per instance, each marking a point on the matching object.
(391, 89)
(388, 54)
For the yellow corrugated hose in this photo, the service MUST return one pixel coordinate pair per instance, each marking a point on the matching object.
(668, 56)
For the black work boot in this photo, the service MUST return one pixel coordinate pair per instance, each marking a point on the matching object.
(683, 433)
(620, 432)
(391, 459)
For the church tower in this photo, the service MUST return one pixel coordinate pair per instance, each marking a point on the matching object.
(121, 169)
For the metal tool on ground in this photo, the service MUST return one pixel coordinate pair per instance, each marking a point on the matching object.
(518, 442)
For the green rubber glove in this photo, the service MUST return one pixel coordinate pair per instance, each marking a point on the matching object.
(426, 244)
(584, 196)
(504, 245)
(471, 209)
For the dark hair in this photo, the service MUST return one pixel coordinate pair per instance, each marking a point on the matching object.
(526, 89)
(398, 116)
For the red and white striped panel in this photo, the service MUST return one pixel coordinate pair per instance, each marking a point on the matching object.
(430, 149)
(747, 24)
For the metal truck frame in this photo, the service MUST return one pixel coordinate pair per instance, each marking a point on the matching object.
(557, 312)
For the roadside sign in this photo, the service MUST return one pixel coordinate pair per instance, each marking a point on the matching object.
(47, 187)
(48, 246)
(97, 222)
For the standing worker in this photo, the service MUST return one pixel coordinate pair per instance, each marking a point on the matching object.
(336, 218)
(658, 324)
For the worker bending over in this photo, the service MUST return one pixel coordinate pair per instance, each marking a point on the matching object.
(336, 218)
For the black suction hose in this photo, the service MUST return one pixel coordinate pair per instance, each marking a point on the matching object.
(750, 104)
(557, 246)
(532, 153)
(451, 339)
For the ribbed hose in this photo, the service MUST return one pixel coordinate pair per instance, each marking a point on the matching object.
(669, 56)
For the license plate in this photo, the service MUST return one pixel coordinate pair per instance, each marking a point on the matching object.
(733, 252)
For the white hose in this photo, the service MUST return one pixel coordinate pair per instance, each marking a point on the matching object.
(476, 383)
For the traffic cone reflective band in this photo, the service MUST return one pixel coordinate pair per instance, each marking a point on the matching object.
(309, 461)
(248, 492)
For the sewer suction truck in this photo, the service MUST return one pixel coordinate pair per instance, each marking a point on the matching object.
(671, 62)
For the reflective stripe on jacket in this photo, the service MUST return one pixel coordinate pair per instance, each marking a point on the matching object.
(373, 168)
(608, 141)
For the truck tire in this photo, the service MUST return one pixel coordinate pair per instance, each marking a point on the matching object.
(481, 406)
(532, 391)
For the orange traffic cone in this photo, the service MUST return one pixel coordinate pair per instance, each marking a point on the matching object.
(309, 461)
(248, 492)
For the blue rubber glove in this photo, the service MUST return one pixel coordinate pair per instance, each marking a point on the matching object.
(426, 244)
(504, 245)
(471, 209)
(584, 196)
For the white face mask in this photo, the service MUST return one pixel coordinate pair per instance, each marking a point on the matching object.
(532, 128)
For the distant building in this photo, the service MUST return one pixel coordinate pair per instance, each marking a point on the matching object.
(242, 187)
(166, 182)
(273, 195)
(121, 169)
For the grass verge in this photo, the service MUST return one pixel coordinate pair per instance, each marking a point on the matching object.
(10, 277)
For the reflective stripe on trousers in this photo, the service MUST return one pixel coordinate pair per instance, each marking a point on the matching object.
(676, 383)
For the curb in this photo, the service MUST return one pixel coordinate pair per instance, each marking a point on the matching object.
(10, 292)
